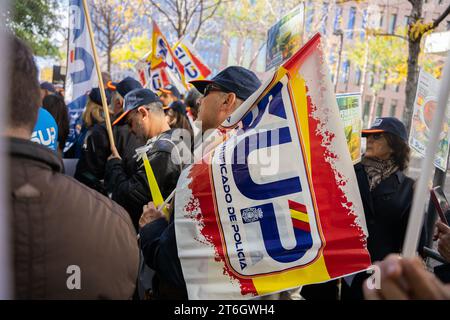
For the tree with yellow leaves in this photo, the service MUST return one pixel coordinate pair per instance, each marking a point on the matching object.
(114, 22)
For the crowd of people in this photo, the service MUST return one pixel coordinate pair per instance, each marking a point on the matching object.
(104, 221)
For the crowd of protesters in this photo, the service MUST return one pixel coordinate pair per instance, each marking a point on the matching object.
(104, 220)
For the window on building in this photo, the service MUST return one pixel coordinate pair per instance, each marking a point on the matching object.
(309, 16)
(392, 22)
(358, 77)
(405, 20)
(261, 60)
(393, 108)
(248, 53)
(351, 22)
(448, 25)
(371, 79)
(323, 28)
(380, 104)
(381, 19)
(337, 19)
(232, 51)
(345, 71)
(366, 112)
(363, 25)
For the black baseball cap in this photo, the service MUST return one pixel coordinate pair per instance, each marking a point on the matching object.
(126, 85)
(238, 80)
(177, 106)
(134, 99)
(171, 89)
(387, 124)
(48, 86)
(95, 96)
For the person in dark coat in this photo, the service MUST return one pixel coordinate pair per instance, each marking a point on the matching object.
(67, 241)
(386, 192)
(126, 141)
(145, 116)
(90, 168)
(222, 95)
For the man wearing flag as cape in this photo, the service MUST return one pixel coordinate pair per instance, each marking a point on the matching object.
(244, 230)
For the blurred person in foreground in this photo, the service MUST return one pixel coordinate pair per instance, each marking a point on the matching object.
(404, 279)
(69, 242)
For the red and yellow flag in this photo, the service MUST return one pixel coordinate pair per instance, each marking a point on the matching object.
(276, 204)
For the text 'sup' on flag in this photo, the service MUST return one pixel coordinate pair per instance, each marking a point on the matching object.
(81, 75)
(276, 204)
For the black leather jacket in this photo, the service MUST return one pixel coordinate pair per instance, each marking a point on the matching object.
(132, 191)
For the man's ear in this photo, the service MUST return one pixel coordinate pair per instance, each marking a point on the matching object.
(143, 112)
(230, 101)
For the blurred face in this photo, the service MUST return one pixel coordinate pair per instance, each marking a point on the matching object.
(166, 99)
(210, 112)
(378, 147)
(138, 125)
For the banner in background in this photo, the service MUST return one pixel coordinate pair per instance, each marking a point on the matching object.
(252, 221)
(194, 67)
(284, 38)
(425, 104)
(163, 56)
(350, 110)
(81, 75)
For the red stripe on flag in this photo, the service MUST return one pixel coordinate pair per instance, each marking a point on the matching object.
(297, 206)
(298, 224)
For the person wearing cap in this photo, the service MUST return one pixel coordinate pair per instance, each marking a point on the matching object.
(222, 95)
(67, 241)
(125, 140)
(47, 89)
(144, 114)
(386, 192)
(169, 94)
(94, 143)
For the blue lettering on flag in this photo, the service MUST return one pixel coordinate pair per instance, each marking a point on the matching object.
(271, 235)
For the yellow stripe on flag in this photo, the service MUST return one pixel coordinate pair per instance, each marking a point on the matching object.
(153, 184)
(299, 215)
(316, 272)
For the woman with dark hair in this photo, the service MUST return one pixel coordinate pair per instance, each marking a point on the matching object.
(55, 105)
(176, 117)
(386, 192)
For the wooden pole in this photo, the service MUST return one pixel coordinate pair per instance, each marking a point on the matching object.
(99, 75)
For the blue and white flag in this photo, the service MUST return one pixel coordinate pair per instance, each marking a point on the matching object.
(81, 74)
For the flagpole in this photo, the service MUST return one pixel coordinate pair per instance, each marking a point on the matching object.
(422, 191)
(99, 75)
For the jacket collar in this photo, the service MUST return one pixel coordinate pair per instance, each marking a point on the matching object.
(30, 150)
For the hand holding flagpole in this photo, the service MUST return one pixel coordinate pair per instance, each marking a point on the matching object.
(99, 74)
(421, 190)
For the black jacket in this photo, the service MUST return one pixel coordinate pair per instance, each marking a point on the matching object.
(132, 191)
(96, 150)
(159, 248)
(386, 209)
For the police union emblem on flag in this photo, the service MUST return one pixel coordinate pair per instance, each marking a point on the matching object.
(274, 205)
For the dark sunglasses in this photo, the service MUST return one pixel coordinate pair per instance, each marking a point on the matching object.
(214, 87)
